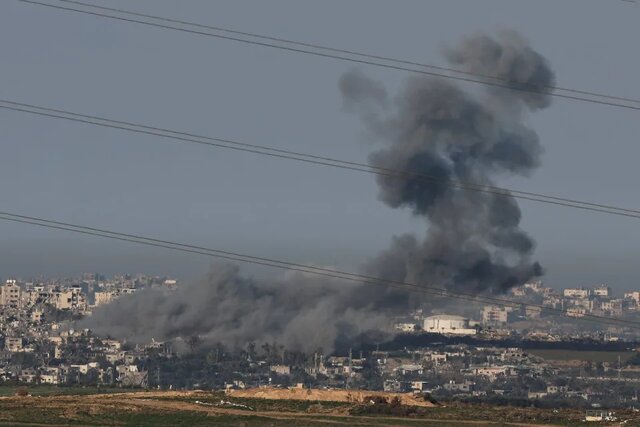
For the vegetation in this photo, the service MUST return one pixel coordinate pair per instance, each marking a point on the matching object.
(202, 409)
(587, 356)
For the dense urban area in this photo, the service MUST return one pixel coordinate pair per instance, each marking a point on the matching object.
(482, 353)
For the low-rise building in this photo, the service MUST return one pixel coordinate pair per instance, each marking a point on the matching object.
(576, 292)
(280, 369)
(14, 344)
(602, 291)
(448, 324)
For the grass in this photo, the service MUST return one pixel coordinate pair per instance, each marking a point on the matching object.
(124, 411)
(586, 356)
(53, 390)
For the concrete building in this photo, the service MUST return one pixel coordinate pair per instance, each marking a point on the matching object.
(69, 299)
(635, 295)
(104, 297)
(49, 379)
(409, 369)
(602, 291)
(613, 307)
(494, 315)
(448, 324)
(532, 312)
(576, 292)
(36, 316)
(464, 387)
(280, 369)
(13, 344)
(576, 312)
(10, 294)
(405, 327)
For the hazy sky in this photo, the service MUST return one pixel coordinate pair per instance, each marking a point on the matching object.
(132, 183)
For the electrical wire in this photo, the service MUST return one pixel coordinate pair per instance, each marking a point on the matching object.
(611, 102)
(309, 269)
(264, 150)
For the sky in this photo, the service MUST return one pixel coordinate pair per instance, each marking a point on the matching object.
(276, 208)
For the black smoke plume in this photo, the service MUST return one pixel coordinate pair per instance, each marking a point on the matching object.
(435, 129)
(473, 241)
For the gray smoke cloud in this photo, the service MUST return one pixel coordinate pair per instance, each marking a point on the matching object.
(299, 311)
(473, 240)
(434, 128)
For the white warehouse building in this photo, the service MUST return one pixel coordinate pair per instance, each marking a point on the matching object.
(448, 324)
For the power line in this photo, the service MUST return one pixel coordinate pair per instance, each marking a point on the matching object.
(347, 51)
(320, 271)
(327, 54)
(213, 142)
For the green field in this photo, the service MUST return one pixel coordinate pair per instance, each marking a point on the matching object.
(586, 356)
(52, 390)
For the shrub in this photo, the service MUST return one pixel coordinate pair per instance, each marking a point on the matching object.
(22, 391)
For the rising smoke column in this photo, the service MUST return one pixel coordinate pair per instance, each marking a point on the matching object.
(435, 128)
(473, 240)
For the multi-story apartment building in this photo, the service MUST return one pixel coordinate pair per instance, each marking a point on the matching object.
(10, 294)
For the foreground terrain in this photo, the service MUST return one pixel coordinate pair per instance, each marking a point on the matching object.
(264, 408)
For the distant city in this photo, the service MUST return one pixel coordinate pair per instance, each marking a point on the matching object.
(482, 353)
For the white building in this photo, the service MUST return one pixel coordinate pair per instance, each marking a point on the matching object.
(635, 295)
(576, 312)
(602, 291)
(405, 327)
(576, 293)
(408, 369)
(448, 324)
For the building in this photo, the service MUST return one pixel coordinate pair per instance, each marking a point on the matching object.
(492, 372)
(448, 324)
(635, 295)
(613, 307)
(405, 327)
(170, 284)
(36, 316)
(464, 387)
(537, 395)
(410, 369)
(576, 292)
(10, 294)
(69, 299)
(13, 344)
(576, 312)
(280, 369)
(602, 291)
(532, 311)
(104, 297)
(494, 315)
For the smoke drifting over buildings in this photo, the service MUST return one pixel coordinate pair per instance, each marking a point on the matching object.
(435, 128)
(473, 241)
(299, 311)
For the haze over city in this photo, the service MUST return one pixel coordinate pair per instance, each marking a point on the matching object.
(319, 213)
